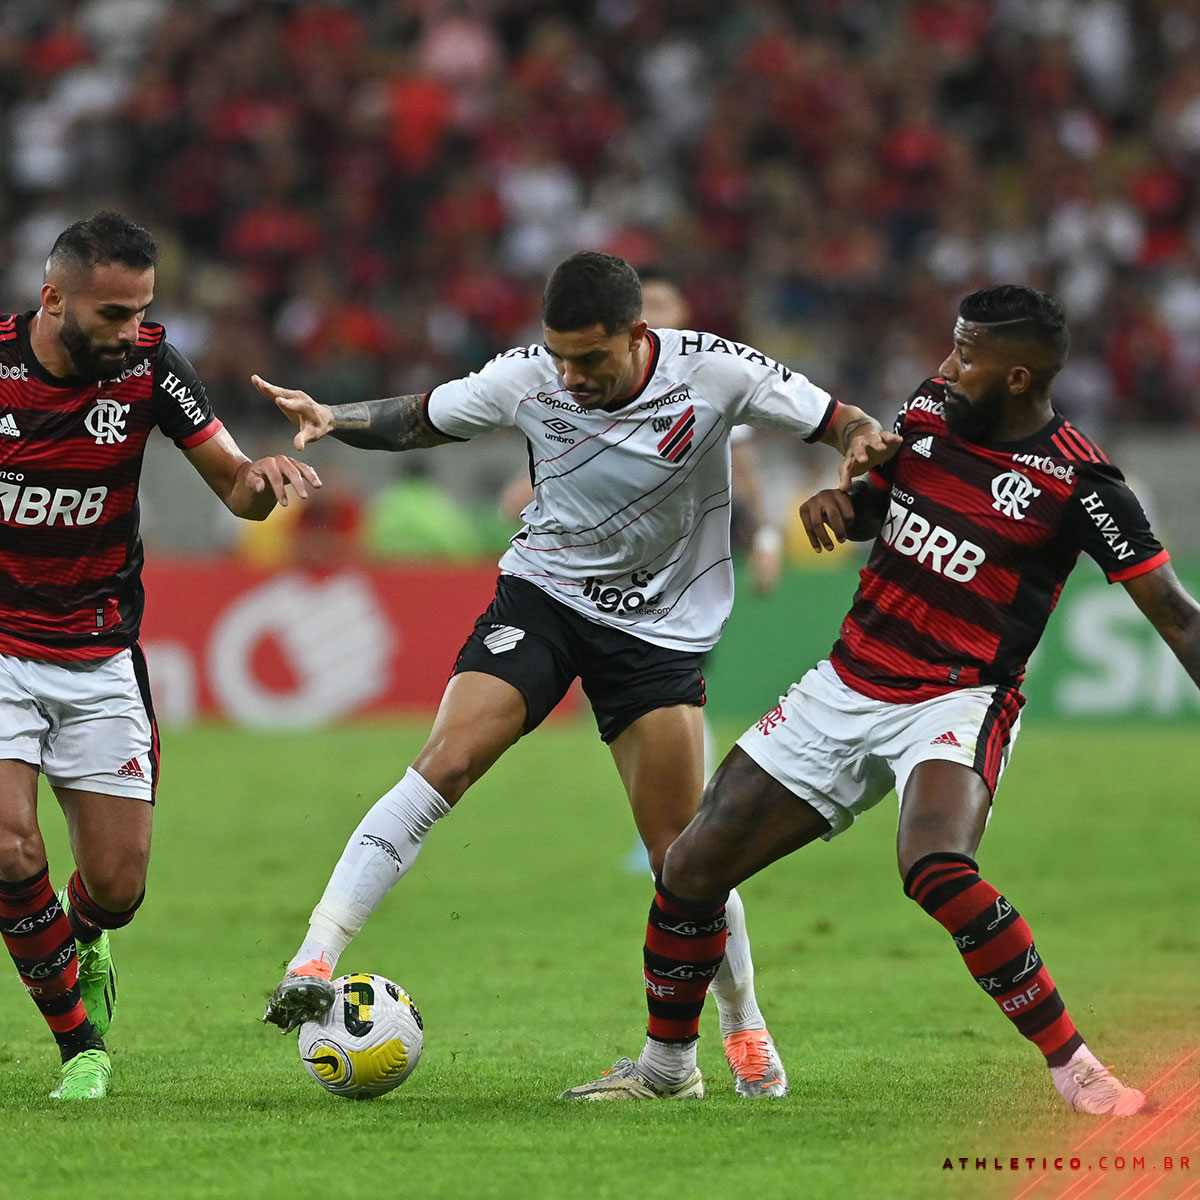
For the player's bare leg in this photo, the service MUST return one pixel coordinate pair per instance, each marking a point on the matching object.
(685, 940)
(110, 841)
(479, 718)
(942, 820)
(38, 935)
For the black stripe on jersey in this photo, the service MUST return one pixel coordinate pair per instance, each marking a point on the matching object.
(695, 579)
(150, 333)
(935, 595)
(583, 462)
(1025, 620)
(674, 480)
(1076, 445)
(677, 443)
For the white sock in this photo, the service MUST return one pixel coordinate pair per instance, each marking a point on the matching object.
(666, 1063)
(733, 985)
(379, 853)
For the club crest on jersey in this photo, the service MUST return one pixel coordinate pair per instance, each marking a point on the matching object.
(676, 443)
(106, 422)
(1013, 493)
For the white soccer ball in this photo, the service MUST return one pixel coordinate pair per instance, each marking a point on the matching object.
(368, 1042)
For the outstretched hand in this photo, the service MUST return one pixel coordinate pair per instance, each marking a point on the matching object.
(867, 450)
(276, 472)
(313, 419)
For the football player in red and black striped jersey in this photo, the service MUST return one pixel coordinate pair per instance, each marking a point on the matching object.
(977, 522)
(83, 381)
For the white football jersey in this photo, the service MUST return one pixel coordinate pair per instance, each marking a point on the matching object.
(629, 523)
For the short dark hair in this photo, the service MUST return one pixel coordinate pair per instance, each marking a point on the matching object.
(591, 288)
(1015, 312)
(107, 237)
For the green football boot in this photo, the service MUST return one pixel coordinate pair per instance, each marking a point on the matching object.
(84, 1077)
(97, 977)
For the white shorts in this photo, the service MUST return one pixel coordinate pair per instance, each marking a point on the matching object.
(84, 725)
(843, 752)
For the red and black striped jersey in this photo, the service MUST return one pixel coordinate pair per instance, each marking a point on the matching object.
(976, 545)
(70, 461)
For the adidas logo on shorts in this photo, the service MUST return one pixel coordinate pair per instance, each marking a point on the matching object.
(131, 770)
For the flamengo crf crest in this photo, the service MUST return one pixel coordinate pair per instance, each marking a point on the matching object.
(1013, 494)
(677, 441)
(106, 422)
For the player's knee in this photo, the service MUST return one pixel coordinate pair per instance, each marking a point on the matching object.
(448, 768)
(692, 871)
(22, 852)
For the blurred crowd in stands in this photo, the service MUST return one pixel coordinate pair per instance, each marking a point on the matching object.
(363, 197)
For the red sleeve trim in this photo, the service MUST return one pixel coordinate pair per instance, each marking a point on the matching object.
(878, 480)
(820, 431)
(202, 435)
(1142, 568)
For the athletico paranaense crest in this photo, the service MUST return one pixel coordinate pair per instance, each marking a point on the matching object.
(677, 441)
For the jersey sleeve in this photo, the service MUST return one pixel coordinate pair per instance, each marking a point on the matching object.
(1108, 523)
(486, 399)
(181, 405)
(762, 392)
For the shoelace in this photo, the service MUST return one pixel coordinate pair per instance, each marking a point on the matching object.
(751, 1059)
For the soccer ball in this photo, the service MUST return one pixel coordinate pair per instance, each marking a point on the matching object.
(368, 1042)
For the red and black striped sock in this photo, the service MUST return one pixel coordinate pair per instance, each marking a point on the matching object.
(88, 919)
(997, 946)
(39, 938)
(685, 944)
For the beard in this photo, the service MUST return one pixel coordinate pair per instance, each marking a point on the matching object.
(90, 361)
(976, 420)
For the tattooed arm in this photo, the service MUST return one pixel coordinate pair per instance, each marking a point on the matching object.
(397, 423)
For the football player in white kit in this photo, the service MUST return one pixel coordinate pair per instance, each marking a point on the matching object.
(621, 577)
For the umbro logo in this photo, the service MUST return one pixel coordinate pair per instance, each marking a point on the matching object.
(502, 638)
(131, 770)
(8, 426)
(946, 739)
(558, 425)
(923, 447)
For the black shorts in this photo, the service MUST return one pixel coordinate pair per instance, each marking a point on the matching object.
(528, 639)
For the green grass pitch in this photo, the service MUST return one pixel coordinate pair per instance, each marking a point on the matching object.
(519, 932)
